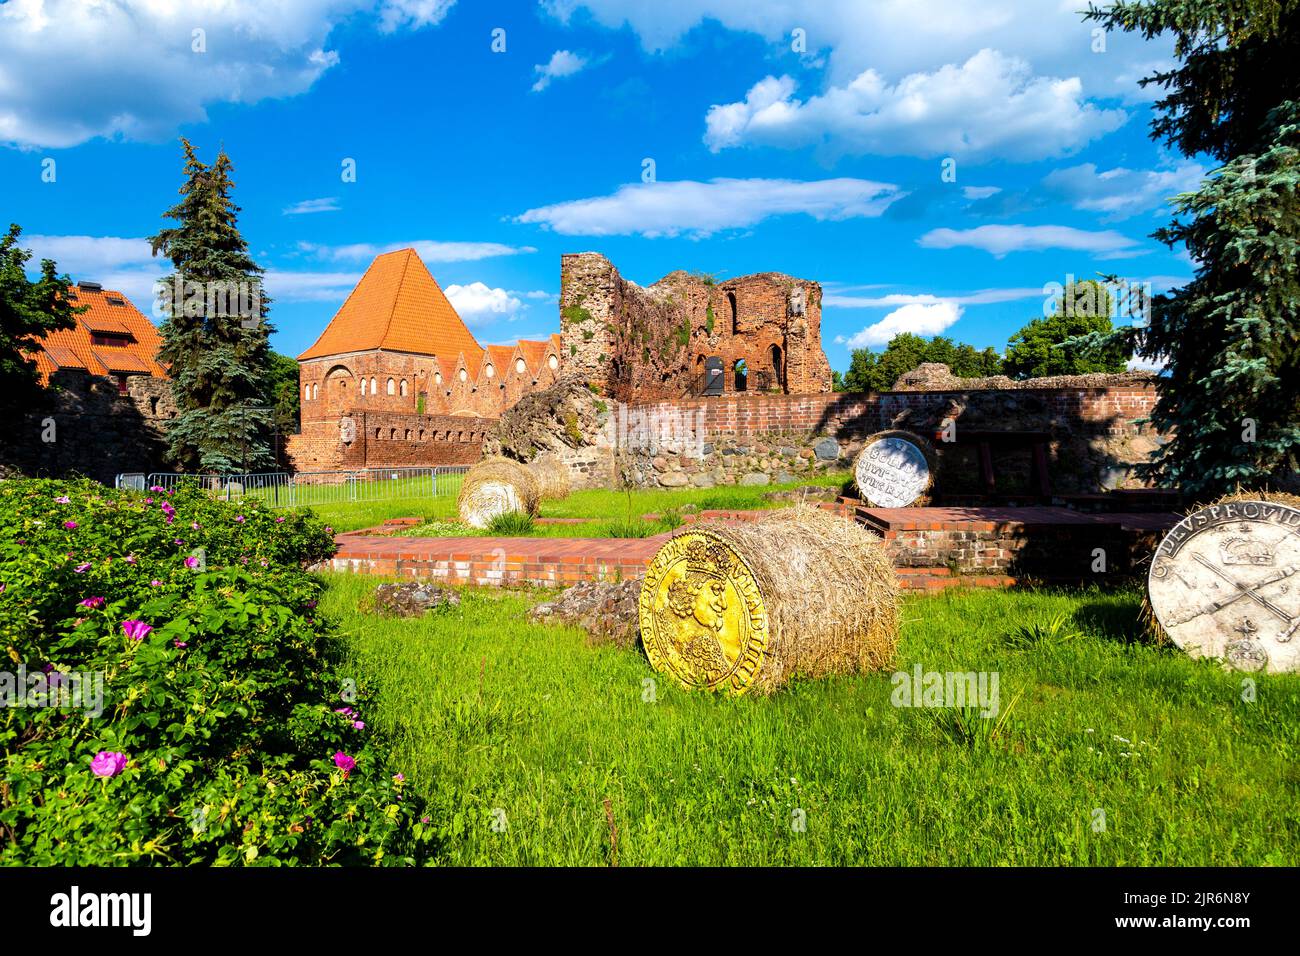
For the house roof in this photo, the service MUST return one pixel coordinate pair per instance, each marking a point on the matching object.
(534, 353)
(398, 306)
(108, 313)
(500, 356)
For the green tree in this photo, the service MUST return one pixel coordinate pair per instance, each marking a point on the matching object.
(28, 311)
(1055, 345)
(286, 397)
(218, 354)
(872, 372)
(1229, 397)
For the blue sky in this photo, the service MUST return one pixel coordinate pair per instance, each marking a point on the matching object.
(812, 142)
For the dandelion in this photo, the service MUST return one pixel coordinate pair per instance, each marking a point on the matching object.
(107, 763)
(94, 602)
(70, 525)
(136, 630)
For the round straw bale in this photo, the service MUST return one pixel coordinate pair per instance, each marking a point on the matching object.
(553, 482)
(799, 593)
(496, 486)
(895, 469)
(1222, 582)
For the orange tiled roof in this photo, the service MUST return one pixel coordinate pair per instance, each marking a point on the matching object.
(397, 305)
(72, 348)
(534, 353)
(500, 356)
(558, 343)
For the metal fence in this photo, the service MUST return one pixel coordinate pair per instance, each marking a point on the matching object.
(281, 489)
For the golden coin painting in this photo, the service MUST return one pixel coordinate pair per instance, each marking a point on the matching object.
(702, 616)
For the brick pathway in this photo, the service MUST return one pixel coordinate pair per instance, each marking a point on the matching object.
(565, 561)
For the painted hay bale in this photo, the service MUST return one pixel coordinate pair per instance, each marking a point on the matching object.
(800, 593)
(895, 469)
(553, 481)
(496, 486)
(1222, 582)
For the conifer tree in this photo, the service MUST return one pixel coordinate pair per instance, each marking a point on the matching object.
(1230, 339)
(215, 335)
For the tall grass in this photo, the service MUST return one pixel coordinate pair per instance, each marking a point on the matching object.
(573, 743)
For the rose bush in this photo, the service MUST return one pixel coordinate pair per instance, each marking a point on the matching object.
(226, 735)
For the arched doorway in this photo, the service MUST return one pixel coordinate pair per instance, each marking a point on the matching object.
(338, 391)
(778, 369)
(739, 376)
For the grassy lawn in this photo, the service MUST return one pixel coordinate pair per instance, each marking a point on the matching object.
(487, 711)
(596, 504)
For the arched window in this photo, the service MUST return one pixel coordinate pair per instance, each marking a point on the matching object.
(374, 389)
(464, 375)
(392, 434)
(306, 393)
(407, 436)
(403, 387)
(731, 301)
(363, 387)
(378, 433)
(740, 376)
(392, 386)
(489, 371)
(778, 374)
(421, 434)
(520, 366)
(437, 377)
(553, 362)
(315, 392)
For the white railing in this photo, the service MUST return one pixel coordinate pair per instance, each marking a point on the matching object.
(280, 489)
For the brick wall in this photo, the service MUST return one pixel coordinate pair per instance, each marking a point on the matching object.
(388, 439)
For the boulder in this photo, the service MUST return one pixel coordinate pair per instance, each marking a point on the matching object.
(754, 479)
(411, 599)
(674, 479)
(828, 449)
(607, 612)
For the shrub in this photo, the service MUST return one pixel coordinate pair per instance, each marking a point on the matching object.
(225, 735)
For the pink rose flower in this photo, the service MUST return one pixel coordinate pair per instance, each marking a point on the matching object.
(70, 525)
(95, 602)
(239, 518)
(130, 559)
(279, 520)
(191, 562)
(155, 583)
(63, 500)
(179, 644)
(358, 725)
(344, 763)
(107, 763)
(82, 568)
(136, 630)
(399, 778)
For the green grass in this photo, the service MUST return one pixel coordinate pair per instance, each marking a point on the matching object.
(487, 711)
(597, 504)
(592, 528)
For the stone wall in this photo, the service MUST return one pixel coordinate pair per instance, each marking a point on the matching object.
(647, 344)
(1093, 440)
(84, 426)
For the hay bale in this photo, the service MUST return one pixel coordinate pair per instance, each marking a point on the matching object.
(553, 481)
(496, 486)
(889, 474)
(799, 593)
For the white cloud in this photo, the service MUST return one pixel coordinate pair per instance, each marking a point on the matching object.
(918, 318)
(285, 286)
(477, 302)
(119, 263)
(1120, 193)
(561, 63)
(71, 70)
(328, 204)
(981, 297)
(999, 240)
(899, 37)
(700, 209)
(1139, 364)
(980, 192)
(428, 249)
(990, 106)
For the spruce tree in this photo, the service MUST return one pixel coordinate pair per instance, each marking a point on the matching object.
(1230, 339)
(215, 335)
(28, 311)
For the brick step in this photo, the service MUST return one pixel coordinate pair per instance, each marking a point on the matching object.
(937, 579)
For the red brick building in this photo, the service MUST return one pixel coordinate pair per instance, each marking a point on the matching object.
(111, 338)
(396, 378)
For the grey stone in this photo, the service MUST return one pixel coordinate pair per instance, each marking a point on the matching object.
(607, 612)
(828, 449)
(785, 478)
(707, 450)
(674, 479)
(789, 451)
(411, 599)
(754, 479)
(703, 480)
